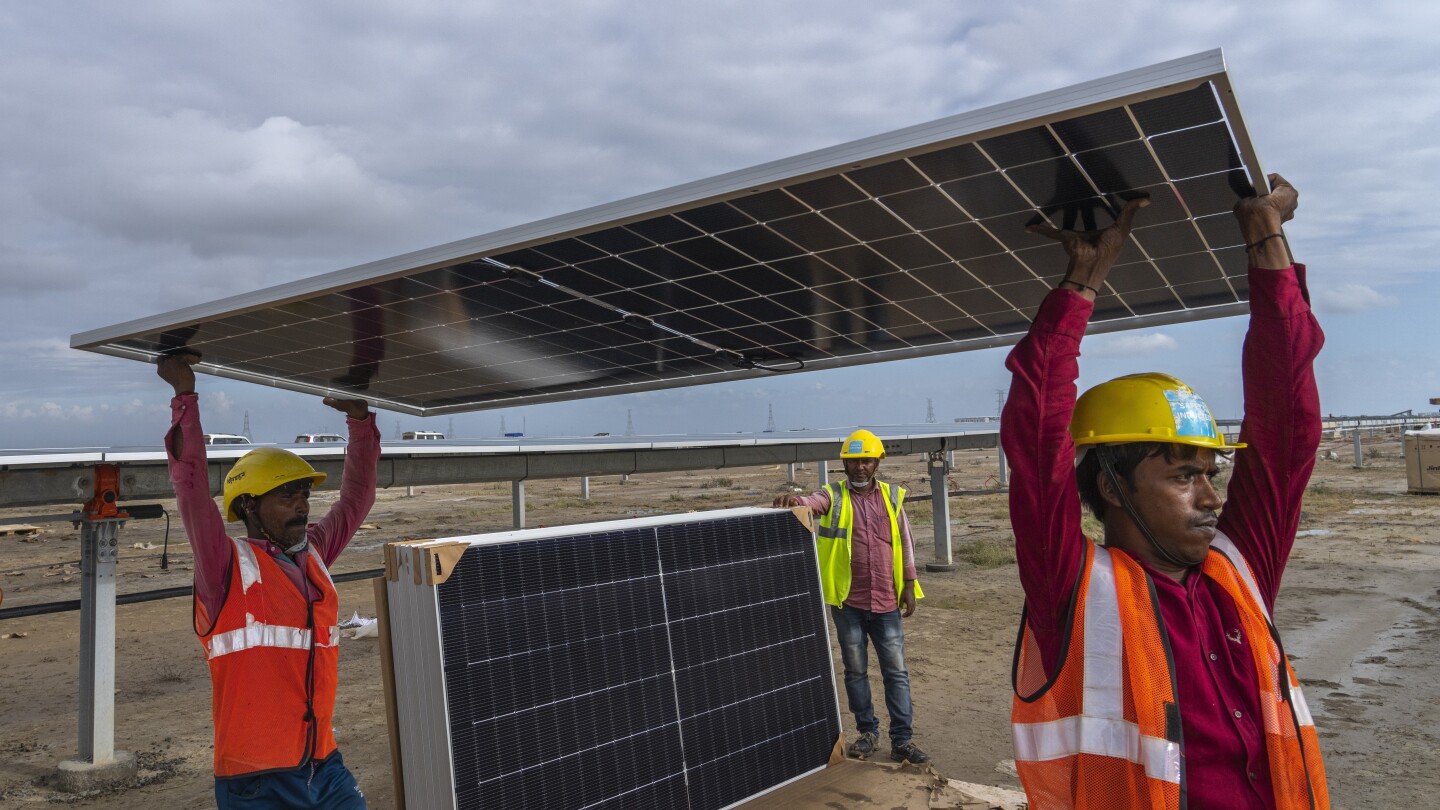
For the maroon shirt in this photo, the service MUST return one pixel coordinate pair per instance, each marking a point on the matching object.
(209, 540)
(1225, 759)
(872, 555)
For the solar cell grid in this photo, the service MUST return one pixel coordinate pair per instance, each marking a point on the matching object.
(905, 229)
(684, 664)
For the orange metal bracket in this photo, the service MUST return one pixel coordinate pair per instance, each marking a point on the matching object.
(104, 502)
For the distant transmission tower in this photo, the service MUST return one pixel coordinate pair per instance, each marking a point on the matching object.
(502, 424)
(450, 428)
(629, 423)
(770, 425)
(929, 411)
(246, 430)
(398, 434)
(999, 400)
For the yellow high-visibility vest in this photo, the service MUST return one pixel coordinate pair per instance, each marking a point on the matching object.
(833, 535)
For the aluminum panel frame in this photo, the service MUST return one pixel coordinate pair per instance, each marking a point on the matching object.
(988, 124)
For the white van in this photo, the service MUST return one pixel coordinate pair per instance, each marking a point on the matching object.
(421, 435)
(225, 438)
(314, 438)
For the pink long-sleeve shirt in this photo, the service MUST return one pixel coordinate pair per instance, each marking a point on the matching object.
(1225, 759)
(872, 557)
(210, 542)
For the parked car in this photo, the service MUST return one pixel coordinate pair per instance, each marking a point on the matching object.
(313, 438)
(421, 435)
(225, 438)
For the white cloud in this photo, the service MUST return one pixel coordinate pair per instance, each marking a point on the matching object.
(161, 155)
(1130, 344)
(1349, 298)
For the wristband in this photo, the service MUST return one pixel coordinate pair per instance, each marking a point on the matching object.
(1080, 285)
(1258, 242)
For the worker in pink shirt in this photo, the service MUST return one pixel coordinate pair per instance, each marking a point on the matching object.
(867, 574)
(266, 610)
(1149, 672)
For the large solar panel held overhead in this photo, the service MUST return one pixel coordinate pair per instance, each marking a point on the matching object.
(906, 244)
(678, 661)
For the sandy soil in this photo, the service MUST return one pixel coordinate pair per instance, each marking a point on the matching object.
(1360, 612)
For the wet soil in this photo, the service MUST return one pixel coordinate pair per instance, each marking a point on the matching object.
(1359, 611)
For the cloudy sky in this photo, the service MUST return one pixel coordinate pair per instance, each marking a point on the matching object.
(162, 154)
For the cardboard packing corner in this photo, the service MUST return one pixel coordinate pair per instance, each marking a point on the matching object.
(1422, 461)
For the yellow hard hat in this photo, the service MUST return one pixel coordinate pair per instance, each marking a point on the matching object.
(862, 444)
(261, 470)
(1146, 407)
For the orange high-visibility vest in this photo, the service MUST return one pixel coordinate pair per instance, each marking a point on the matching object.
(1105, 731)
(273, 666)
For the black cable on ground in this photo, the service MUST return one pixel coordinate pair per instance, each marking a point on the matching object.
(151, 596)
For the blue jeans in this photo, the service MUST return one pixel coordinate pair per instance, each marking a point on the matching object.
(853, 626)
(330, 786)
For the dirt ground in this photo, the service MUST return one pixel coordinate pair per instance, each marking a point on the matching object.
(1360, 613)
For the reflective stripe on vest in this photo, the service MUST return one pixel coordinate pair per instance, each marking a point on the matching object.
(835, 531)
(259, 634)
(272, 704)
(265, 635)
(1109, 683)
(1237, 560)
(1102, 729)
(1291, 740)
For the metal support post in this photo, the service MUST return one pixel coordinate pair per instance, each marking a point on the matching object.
(585, 487)
(790, 472)
(824, 473)
(98, 764)
(940, 510)
(98, 540)
(517, 502)
(1004, 475)
(1359, 458)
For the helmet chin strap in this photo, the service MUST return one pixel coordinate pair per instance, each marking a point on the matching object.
(1108, 465)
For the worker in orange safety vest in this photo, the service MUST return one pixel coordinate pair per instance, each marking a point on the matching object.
(266, 610)
(1148, 672)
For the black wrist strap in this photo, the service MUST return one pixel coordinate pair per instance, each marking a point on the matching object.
(1258, 242)
(1081, 286)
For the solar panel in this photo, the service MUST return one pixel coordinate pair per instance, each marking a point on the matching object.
(665, 662)
(906, 244)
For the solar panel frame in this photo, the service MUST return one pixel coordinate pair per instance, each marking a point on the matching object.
(833, 216)
(510, 631)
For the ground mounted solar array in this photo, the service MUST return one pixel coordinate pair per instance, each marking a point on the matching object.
(654, 663)
(901, 245)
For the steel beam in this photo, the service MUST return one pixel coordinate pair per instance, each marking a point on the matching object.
(144, 475)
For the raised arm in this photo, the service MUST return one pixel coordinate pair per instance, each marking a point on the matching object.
(1035, 427)
(333, 533)
(190, 477)
(1282, 404)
